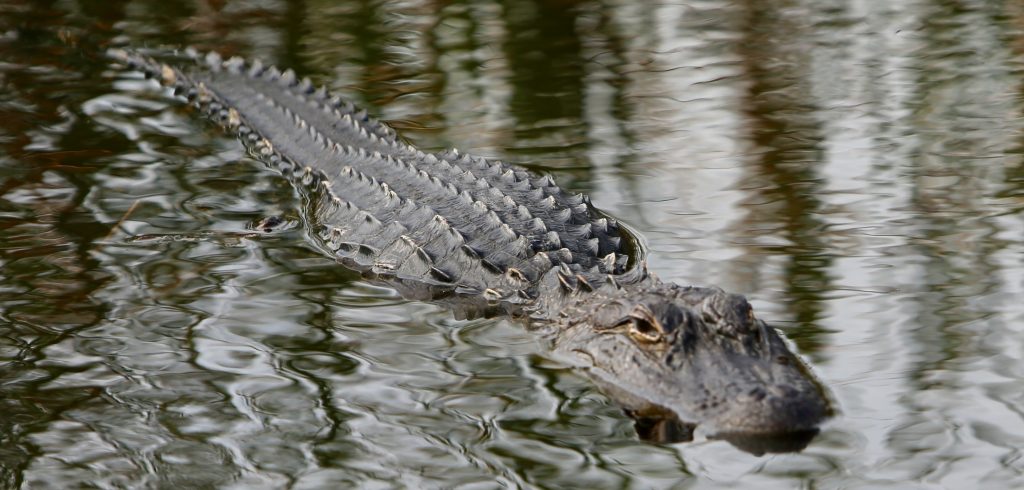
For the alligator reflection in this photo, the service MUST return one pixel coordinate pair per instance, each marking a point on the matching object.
(667, 429)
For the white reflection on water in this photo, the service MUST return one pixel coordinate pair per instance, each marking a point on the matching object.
(853, 167)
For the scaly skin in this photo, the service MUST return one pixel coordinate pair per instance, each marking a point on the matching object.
(485, 237)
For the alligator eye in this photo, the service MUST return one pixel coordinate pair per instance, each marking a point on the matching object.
(644, 330)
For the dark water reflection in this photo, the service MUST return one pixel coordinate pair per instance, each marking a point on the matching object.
(854, 167)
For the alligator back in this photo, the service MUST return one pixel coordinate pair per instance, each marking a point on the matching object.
(448, 221)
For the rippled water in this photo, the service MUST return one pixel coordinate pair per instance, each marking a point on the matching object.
(855, 168)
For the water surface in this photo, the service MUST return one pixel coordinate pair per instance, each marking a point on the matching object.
(854, 168)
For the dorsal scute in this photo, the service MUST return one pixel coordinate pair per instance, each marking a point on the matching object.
(513, 223)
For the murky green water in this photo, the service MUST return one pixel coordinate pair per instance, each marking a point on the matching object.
(855, 168)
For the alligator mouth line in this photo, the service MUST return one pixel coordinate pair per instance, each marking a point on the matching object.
(484, 237)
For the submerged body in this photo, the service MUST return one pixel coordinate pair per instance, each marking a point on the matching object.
(486, 237)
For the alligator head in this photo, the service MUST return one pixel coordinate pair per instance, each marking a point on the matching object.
(693, 355)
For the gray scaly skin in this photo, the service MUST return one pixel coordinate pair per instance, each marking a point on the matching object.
(488, 238)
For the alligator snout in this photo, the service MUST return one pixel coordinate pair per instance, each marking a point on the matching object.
(773, 409)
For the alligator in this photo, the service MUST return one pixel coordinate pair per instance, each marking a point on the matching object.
(488, 238)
